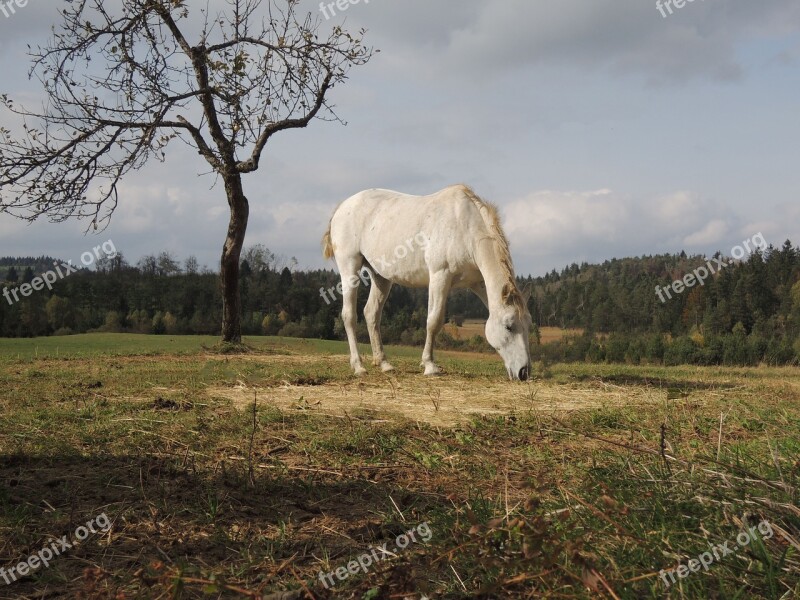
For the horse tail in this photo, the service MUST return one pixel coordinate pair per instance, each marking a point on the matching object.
(327, 244)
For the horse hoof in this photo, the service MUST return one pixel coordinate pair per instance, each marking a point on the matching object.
(432, 370)
(386, 367)
(360, 371)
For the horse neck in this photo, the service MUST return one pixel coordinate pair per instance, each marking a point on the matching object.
(493, 275)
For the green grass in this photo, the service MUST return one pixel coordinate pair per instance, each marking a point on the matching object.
(131, 344)
(211, 500)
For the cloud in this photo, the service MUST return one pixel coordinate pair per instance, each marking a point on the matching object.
(783, 226)
(621, 36)
(550, 219)
(561, 227)
(713, 232)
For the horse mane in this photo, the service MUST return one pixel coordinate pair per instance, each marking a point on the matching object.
(511, 294)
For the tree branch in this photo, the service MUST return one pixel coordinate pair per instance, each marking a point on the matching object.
(121, 85)
(251, 164)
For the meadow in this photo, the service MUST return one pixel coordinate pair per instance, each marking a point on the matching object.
(472, 327)
(248, 474)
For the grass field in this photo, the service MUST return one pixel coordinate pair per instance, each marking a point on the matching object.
(586, 482)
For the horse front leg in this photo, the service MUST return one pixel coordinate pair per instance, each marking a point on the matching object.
(437, 303)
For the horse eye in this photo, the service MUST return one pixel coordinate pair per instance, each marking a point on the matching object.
(509, 328)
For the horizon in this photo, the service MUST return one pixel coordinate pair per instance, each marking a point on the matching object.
(204, 269)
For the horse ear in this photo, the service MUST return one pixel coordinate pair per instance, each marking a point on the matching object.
(506, 294)
(526, 293)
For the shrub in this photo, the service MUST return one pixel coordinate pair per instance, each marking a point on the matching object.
(616, 348)
(158, 324)
(654, 349)
(682, 351)
(636, 351)
(293, 329)
(113, 322)
(734, 350)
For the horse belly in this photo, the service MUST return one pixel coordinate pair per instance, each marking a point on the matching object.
(402, 263)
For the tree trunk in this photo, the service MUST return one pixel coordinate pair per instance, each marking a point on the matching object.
(231, 253)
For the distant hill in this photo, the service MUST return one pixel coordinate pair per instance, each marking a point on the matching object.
(20, 263)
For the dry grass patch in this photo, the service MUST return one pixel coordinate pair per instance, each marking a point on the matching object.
(443, 401)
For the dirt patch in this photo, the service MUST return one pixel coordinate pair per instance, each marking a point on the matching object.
(167, 404)
(441, 401)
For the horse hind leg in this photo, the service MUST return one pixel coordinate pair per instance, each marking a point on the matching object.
(373, 310)
(348, 270)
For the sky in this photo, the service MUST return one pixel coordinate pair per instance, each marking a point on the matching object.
(600, 128)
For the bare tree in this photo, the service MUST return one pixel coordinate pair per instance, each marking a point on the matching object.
(122, 83)
(148, 265)
(259, 258)
(167, 265)
(553, 314)
(191, 266)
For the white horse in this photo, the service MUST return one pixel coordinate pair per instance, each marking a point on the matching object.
(450, 239)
